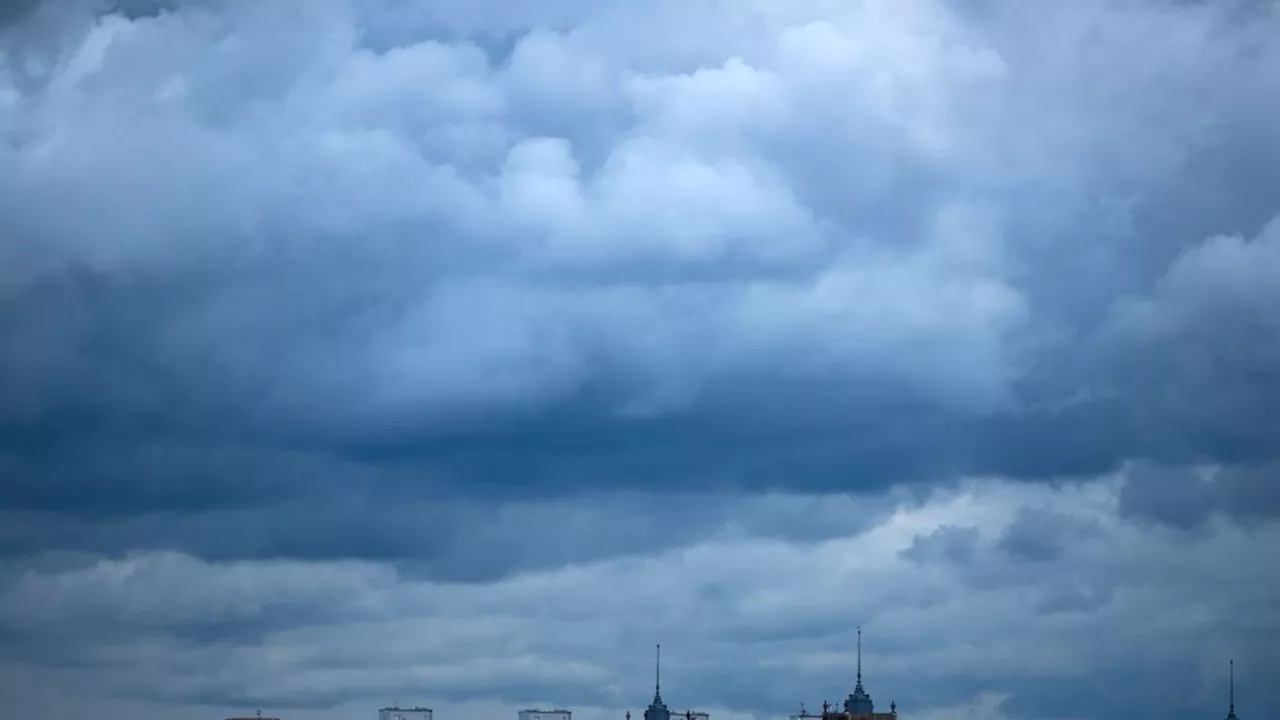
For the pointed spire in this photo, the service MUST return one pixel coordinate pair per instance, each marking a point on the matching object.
(657, 709)
(859, 702)
(657, 672)
(859, 655)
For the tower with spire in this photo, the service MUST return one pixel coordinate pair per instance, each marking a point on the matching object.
(858, 705)
(859, 702)
(657, 709)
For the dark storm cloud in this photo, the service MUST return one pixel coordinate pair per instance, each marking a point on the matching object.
(1186, 499)
(1041, 535)
(1175, 496)
(445, 537)
(955, 545)
(16, 10)
(325, 284)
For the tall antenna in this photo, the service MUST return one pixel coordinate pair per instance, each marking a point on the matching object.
(657, 672)
(1231, 712)
(859, 654)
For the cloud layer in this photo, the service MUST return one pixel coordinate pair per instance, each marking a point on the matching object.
(1098, 609)
(333, 317)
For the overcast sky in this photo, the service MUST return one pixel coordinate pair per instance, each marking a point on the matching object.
(457, 352)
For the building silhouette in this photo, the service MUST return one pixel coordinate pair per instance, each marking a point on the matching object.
(395, 712)
(658, 709)
(858, 705)
(536, 714)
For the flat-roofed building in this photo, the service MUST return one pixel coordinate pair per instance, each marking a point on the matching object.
(535, 714)
(399, 713)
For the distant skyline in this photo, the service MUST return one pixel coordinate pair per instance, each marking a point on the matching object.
(459, 353)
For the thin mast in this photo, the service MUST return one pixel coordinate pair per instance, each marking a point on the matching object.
(1231, 711)
(657, 672)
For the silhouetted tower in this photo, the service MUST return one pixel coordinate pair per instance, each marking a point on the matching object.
(657, 709)
(859, 702)
(857, 706)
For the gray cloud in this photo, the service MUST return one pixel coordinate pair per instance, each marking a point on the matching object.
(475, 287)
(1187, 498)
(946, 544)
(1042, 535)
(451, 538)
(287, 630)
(14, 12)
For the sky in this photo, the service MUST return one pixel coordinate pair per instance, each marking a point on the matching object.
(360, 352)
